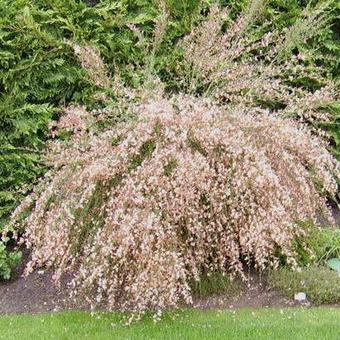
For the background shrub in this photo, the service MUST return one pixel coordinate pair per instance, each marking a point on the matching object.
(319, 283)
(8, 261)
(319, 245)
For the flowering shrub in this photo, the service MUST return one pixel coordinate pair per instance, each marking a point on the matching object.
(137, 212)
(248, 64)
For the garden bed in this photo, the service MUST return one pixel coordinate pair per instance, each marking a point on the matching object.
(37, 293)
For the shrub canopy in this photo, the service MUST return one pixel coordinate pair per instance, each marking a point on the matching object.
(188, 188)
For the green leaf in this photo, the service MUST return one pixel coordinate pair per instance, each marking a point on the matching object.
(334, 264)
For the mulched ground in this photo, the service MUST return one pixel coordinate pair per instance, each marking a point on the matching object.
(33, 294)
(36, 293)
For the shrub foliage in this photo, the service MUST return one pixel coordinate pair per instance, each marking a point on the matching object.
(188, 188)
(319, 283)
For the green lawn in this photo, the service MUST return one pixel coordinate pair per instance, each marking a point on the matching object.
(316, 323)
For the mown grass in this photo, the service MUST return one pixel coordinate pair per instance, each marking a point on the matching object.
(316, 323)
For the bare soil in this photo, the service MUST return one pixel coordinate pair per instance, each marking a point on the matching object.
(35, 293)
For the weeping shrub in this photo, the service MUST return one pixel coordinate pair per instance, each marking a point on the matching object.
(188, 188)
(245, 61)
